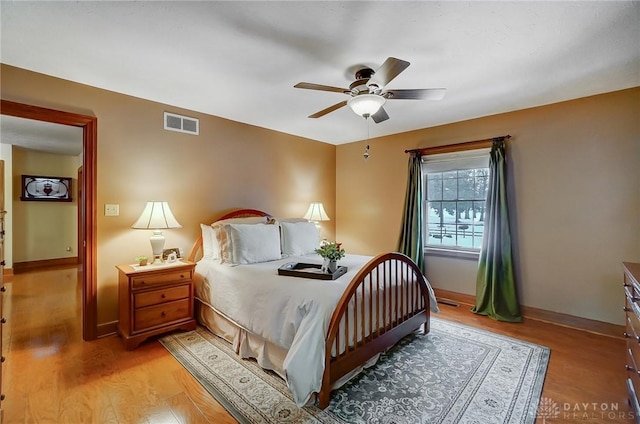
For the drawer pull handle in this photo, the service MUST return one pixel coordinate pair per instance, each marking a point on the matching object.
(630, 296)
(164, 314)
(142, 282)
(2, 359)
(1, 397)
(3, 289)
(626, 309)
(3, 321)
(163, 296)
(181, 276)
(629, 336)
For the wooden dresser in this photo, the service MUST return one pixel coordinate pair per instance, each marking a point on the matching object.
(632, 333)
(154, 300)
(2, 288)
(2, 292)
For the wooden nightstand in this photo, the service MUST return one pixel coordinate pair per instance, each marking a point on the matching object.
(154, 299)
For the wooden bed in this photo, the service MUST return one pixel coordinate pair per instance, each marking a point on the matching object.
(408, 310)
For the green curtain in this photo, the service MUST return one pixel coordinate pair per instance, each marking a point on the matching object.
(496, 294)
(411, 235)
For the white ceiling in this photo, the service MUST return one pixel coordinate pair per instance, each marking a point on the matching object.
(41, 136)
(240, 60)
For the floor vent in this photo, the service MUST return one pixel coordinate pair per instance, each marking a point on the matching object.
(183, 124)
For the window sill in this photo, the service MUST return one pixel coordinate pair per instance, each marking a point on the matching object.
(452, 253)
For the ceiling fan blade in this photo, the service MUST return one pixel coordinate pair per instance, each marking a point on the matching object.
(328, 110)
(390, 69)
(311, 86)
(416, 94)
(380, 115)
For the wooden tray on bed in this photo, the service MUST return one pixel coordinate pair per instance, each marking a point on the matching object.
(300, 269)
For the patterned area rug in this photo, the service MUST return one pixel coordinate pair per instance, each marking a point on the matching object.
(455, 374)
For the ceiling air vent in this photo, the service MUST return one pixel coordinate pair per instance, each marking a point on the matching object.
(183, 124)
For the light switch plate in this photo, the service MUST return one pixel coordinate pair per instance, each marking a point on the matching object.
(111, 210)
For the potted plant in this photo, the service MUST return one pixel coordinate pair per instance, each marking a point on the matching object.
(331, 253)
(142, 260)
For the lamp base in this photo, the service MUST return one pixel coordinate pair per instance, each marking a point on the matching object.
(157, 245)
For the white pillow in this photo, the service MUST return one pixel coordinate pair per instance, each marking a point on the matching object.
(299, 238)
(253, 243)
(279, 220)
(209, 242)
(222, 244)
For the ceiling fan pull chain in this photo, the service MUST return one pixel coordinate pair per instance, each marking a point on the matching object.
(366, 118)
(366, 150)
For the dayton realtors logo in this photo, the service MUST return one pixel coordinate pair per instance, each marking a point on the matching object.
(548, 410)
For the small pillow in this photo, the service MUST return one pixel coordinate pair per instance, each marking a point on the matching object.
(209, 242)
(221, 239)
(299, 238)
(253, 243)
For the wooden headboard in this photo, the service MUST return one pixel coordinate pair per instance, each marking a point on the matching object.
(240, 213)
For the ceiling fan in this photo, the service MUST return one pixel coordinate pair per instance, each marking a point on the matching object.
(368, 93)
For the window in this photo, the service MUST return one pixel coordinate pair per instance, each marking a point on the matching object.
(455, 197)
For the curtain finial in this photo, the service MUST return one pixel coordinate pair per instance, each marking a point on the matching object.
(501, 138)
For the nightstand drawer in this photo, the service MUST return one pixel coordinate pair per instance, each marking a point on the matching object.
(165, 277)
(155, 297)
(161, 314)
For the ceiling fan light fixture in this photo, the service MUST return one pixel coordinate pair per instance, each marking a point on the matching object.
(366, 104)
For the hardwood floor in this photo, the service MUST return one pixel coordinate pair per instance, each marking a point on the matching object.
(52, 376)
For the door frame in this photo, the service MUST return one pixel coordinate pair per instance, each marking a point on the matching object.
(89, 125)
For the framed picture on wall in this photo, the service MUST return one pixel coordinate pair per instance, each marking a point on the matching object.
(51, 189)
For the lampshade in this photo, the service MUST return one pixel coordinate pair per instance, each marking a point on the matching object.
(156, 216)
(366, 104)
(316, 212)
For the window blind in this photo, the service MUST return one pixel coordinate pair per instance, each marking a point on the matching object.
(444, 162)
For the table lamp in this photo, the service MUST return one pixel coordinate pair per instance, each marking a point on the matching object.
(316, 213)
(156, 216)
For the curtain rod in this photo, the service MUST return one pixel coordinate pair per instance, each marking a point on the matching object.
(458, 147)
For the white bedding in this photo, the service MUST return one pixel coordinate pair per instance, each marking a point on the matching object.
(291, 312)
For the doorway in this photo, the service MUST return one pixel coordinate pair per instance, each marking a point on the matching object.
(87, 254)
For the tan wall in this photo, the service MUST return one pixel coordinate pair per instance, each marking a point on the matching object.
(44, 230)
(575, 171)
(230, 165)
(567, 158)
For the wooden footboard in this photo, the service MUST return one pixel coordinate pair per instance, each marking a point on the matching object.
(387, 300)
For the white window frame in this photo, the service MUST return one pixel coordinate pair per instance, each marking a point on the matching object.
(444, 162)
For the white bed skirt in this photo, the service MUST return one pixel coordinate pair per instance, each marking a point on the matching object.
(245, 343)
(249, 345)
